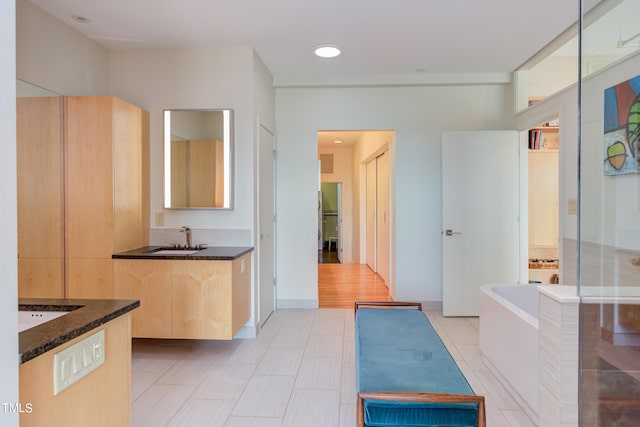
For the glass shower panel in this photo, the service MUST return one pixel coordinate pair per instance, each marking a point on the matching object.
(609, 215)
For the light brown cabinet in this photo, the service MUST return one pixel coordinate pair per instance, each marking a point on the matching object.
(106, 189)
(150, 282)
(40, 200)
(196, 299)
(83, 192)
(197, 173)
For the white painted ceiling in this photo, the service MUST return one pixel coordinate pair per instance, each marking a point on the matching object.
(378, 37)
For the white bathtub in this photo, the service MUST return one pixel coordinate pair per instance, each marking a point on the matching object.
(509, 340)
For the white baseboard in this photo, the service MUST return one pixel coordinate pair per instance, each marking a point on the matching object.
(297, 303)
(247, 332)
(432, 306)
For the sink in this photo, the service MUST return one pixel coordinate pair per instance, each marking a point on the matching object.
(174, 252)
(28, 319)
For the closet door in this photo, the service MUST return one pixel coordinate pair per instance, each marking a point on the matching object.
(371, 215)
(382, 216)
(378, 254)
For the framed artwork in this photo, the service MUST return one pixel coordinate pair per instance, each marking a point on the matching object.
(622, 128)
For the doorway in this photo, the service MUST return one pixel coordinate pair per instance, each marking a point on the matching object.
(543, 200)
(330, 223)
(343, 158)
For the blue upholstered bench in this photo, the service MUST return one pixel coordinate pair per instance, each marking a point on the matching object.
(405, 376)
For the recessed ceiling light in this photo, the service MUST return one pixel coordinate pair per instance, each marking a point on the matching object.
(337, 141)
(81, 19)
(327, 51)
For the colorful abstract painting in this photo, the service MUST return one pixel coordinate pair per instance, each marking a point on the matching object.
(622, 128)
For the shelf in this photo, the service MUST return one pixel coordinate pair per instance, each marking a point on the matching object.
(543, 138)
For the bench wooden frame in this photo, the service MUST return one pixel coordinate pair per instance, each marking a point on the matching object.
(412, 396)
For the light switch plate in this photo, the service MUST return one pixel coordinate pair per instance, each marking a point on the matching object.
(159, 218)
(572, 206)
(73, 363)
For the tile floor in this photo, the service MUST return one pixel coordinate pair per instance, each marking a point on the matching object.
(298, 372)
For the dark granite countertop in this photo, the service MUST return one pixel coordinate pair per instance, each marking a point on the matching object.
(85, 315)
(212, 253)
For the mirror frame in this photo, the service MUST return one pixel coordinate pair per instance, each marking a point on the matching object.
(228, 150)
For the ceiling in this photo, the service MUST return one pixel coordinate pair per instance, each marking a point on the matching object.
(327, 139)
(378, 37)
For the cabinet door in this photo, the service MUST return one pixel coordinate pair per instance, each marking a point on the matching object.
(40, 278)
(202, 304)
(543, 198)
(89, 278)
(89, 176)
(241, 293)
(203, 175)
(39, 175)
(150, 282)
(127, 176)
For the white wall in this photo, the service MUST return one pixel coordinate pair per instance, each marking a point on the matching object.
(418, 115)
(159, 79)
(8, 218)
(610, 204)
(53, 56)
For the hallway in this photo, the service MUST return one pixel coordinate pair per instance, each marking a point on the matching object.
(340, 285)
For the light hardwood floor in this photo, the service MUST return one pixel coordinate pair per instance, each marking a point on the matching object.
(340, 285)
(299, 372)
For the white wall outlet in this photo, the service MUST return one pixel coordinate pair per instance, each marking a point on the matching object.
(159, 218)
(73, 363)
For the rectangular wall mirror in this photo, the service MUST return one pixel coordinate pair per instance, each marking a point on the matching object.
(198, 159)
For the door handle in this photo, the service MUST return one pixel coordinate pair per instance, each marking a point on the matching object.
(449, 232)
(265, 236)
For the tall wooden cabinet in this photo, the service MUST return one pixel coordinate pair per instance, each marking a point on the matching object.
(197, 173)
(83, 192)
(40, 197)
(106, 189)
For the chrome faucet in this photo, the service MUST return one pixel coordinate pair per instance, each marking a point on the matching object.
(187, 231)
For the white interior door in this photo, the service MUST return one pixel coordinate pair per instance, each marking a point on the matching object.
(382, 216)
(480, 211)
(267, 228)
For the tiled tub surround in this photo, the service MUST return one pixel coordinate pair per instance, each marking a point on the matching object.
(529, 340)
(558, 356)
